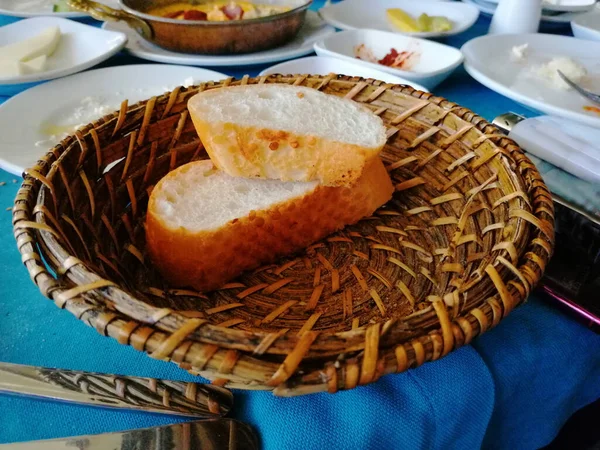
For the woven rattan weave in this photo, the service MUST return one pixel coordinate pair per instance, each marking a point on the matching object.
(465, 238)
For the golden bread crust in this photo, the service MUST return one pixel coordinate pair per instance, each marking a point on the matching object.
(246, 151)
(249, 150)
(205, 260)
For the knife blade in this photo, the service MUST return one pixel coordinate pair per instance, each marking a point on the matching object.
(116, 391)
(213, 434)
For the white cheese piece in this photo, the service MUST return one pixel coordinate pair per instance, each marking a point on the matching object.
(10, 69)
(18, 68)
(35, 65)
(44, 43)
(571, 68)
(519, 52)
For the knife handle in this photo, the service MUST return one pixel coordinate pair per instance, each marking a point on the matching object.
(115, 391)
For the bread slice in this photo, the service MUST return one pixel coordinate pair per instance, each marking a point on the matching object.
(204, 227)
(288, 133)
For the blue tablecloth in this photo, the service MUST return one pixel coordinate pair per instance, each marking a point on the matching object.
(513, 387)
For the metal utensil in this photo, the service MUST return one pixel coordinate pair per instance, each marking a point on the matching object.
(203, 36)
(587, 94)
(214, 434)
(115, 391)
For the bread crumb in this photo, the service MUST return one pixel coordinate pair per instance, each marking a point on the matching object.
(14, 181)
(9, 208)
(2, 183)
(300, 94)
(274, 145)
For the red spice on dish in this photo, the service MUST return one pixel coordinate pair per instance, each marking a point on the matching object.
(593, 109)
(396, 59)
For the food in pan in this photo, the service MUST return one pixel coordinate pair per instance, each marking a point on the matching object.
(217, 11)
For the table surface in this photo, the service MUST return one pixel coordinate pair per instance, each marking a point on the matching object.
(513, 387)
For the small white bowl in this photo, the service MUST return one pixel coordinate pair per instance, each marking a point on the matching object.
(35, 8)
(81, 47)
(324, 65)
(358, 14)
(587, 26)
(433, 62)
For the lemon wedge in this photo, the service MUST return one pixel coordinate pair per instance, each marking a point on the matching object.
(402, 20)
(424, 22)
(440, 23)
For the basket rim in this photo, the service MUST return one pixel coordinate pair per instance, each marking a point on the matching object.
(30, 199)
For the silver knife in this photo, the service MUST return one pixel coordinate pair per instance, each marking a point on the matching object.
(115, 391)
(213, 434)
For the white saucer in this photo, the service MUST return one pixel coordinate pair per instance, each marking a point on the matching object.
(313, 30)
(32, 116)
(34, 8)
(371, 14)
(488, 60)
(433, 62)
(324, 65)
(81, 47)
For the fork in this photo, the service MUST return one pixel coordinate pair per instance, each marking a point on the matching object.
(587, 94)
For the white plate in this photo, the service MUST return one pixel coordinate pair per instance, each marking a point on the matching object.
(313, 29)
(433, 62)
(29, 118)
(488, 60)
(488, 8)
(563, 5)
(80, 47)
(34, 8)
(324, 65)
(357, 14)
(587, 26)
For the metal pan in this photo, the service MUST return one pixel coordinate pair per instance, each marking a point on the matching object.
(201, 36)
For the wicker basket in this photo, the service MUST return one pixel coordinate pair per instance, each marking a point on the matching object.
(463, 241)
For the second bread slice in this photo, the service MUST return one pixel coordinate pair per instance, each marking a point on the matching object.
(204, 227)
(288, 133)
